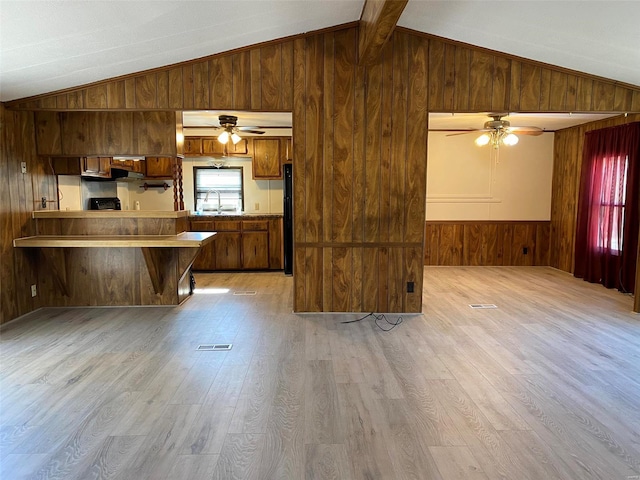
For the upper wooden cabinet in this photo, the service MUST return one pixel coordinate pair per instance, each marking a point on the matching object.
(211, 147)
(267, 163)
(159, 167)
(131, 165)
(85, 134)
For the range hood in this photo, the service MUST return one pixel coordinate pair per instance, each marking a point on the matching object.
(123, 175)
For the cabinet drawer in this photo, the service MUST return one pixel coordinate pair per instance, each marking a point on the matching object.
(255, 225)
(202, 226)
(227, 225)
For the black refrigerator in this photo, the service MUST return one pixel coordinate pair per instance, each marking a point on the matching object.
(288, 219)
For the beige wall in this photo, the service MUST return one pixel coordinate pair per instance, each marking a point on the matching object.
(466, 182)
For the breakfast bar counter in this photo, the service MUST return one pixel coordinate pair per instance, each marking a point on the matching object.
(113, 258)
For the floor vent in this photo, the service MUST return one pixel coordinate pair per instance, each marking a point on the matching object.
(215, 347)
(482, 305)
(245, 292)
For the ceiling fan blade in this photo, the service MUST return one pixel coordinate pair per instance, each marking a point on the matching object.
(460, 133)
(526, 130)
(249, 130)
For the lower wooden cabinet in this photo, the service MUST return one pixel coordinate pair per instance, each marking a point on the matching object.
(240, 245)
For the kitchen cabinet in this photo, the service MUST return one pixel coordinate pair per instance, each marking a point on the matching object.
(211, 147)
(96, 167)
(288, 149)
(240, 245)
(159, 167)
(255, 244)
(267, 163)
(130, 165)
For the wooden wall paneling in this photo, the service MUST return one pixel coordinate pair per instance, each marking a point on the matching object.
(584, 89)
(416, 158)
(97, 96)
(507, 244)
(112, 132)
(373, 140)
(75, 133)
(558, 91)
(543, 238)
(427, 244)
(314, 217)
(571, 90)
(48, 133)
(623, 99)
(481, 81)
(545, 89)
(271, 77)
(255, 75)
(357, 275)
(327, 280)
(436, 70)
(162, 100)
(61, 101)
(154, 133)
(491, 239)
(300, 279)
(501, 92)
(324, 228)
(241, 63)
(461, 80)
(395, 282)
(386, 111)
(313, 262)
(412, 302)
(359, 160)
(188, 87)
(176, 90)
(449, 73)
(286, 83)
(342, 279)
(370, 279)
(115, 94)
(48, 103)
(221, 82)
(130, 92)
(399, 139)
(343, 135)
(603, 96)
(75, 99)
(451, 243)
(299, 141)
(635, 103)
(201, 85)
(472, 245)
(516, 85)
(529, 87)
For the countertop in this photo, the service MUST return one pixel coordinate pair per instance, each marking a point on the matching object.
(185, 239)
(110, 214)
(236, 216)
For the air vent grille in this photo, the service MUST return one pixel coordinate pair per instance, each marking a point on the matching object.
(215, 347)
(245, 292)
(482, 305)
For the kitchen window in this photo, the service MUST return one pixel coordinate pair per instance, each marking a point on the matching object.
(218, 189)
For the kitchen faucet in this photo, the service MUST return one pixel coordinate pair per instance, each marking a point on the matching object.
(206, 198)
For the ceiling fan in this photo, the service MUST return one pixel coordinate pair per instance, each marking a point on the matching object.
(498, 132)
(230, 129)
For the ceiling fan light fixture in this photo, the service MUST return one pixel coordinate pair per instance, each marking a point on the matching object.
(224, 137)
(235, 138)
(483, 140)
(510, 139)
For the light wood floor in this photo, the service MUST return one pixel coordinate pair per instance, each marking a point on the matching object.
(546, 386)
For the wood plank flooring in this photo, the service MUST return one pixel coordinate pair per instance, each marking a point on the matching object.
(546, 386)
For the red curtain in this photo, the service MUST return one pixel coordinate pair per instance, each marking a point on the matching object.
(609, 207)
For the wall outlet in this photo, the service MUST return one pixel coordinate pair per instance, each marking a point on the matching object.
(525, 250)
(34, 291)
(257, 206)
(44, 202)
(410, 287)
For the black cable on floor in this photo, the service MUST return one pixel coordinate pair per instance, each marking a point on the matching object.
(378, 318)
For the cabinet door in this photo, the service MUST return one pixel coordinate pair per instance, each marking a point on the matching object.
(159, 167)
(287, 155)
(255, 250)
(96, 166)
(227, 251)
(266, 158)
(211, 146)
(192, 146)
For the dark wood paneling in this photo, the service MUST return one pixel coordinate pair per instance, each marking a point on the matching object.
(486, 243)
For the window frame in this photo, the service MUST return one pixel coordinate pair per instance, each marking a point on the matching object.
(225, 167)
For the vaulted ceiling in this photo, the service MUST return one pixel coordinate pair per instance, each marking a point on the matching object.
(51, 45)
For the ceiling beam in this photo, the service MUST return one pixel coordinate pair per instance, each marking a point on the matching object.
(377, 22)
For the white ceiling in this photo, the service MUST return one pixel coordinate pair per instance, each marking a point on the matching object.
(51, 45)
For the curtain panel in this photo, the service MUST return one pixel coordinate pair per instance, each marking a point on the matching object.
(607, 227)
